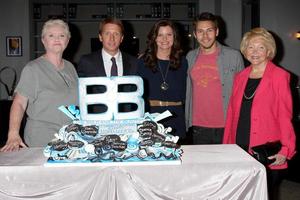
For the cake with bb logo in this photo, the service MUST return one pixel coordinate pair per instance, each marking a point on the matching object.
(113, 137)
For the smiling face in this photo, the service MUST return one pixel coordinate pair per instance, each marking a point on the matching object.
(55, 39)
(206, 34)
(257, 52)
(111, 37)
(165, 38)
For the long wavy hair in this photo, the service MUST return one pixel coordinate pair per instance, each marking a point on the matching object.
(149, 55)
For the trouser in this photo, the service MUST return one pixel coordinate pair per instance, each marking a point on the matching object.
(205, 135)
(274, 178)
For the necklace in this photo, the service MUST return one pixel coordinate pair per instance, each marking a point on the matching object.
(250, 97)
(252, 84)
(164, 85)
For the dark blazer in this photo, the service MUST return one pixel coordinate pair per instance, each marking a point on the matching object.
(92, 65)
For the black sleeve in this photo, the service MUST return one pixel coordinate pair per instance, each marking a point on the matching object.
(82, 67)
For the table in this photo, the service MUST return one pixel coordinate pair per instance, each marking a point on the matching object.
(207, 172)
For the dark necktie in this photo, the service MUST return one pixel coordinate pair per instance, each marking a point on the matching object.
(114, 68)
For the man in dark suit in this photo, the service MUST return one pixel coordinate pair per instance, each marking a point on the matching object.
(111, 34)
(109, 61)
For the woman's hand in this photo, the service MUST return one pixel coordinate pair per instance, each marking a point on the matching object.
(14, 143)
(279, 159)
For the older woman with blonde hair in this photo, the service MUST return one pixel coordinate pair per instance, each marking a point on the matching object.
(45, 84)
(260, 107)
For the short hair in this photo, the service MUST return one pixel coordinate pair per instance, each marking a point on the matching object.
(111, 21)
(56, 22)
(205, 16)
(262, 33)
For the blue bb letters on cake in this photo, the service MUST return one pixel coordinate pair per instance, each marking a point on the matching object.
(111, 97)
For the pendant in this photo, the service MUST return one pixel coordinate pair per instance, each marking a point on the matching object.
(164, 86)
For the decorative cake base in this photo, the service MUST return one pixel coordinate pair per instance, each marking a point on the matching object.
(50, 163)
(114, 143)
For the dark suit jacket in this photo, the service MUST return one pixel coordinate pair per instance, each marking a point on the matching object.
(92, 65)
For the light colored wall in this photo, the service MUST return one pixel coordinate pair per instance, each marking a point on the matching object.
(207, 6)
(231, 12)
(14, 21)
(283, 18)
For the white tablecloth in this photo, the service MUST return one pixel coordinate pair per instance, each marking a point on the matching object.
(206, 172)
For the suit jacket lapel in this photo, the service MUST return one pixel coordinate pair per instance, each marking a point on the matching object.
(242, 85)
(100, 64)
(126, 65)
(264, 83)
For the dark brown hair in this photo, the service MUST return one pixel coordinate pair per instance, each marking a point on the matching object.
(150, 53)
(205, 16)
(111, 21)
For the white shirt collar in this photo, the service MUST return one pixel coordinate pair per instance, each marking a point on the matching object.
(107, 56)
(107, 62)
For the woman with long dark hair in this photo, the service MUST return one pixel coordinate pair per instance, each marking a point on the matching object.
(163, 69)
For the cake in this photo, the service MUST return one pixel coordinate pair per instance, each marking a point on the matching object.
(113, 138)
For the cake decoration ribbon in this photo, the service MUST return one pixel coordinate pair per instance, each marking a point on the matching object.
(71, 111)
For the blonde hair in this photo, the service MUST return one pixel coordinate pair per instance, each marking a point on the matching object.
(262, 33)
(56, 22)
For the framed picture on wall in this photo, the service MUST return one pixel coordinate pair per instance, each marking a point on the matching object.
(13, 46)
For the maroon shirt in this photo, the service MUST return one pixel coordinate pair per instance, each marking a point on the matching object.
(207, 92)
